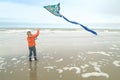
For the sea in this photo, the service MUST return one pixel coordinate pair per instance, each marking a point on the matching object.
(58, 26)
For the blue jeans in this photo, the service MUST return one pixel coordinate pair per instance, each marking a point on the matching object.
(32, 50)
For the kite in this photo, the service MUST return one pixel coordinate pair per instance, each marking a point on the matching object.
(55, 10)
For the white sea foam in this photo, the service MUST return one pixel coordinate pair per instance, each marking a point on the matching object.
(50, 67)
(96, 74)
(116, 63)
(84, 66)
(114, 45)
(79, 56)
(18, 61)
(59, 60)
(59, 70)
(2, 58)
(23, 57)
(103, 53)
(115, 48)
(1, 61)
(49, 57)
(16, 31)
(2, 64)
(14, 59)
(72, 68)
(96, 66)
(46, 57)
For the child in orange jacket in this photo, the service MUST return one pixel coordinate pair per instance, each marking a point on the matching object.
(31, 44)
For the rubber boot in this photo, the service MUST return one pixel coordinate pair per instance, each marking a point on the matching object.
(30, 59)
(35, 58)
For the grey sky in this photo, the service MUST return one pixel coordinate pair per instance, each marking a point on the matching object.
(80, 10)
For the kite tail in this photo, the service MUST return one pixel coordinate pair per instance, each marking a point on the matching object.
(80, 25)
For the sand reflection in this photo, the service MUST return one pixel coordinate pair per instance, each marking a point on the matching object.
(33, 70)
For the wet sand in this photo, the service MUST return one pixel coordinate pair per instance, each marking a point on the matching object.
(62, 54)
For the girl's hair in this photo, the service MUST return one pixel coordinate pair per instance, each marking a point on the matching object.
(28, 32)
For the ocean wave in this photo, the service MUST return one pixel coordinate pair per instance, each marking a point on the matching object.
(14, 30)
(95, 74)
(116, 63)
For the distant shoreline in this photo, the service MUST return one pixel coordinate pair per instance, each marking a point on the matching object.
(52, 29)
(94, 26)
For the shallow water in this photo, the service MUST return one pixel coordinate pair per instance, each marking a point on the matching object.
(63, 55)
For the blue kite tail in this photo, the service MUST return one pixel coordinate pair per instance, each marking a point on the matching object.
(88, 29)
(79, 24)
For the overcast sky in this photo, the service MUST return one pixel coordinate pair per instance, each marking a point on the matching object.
(84, 11)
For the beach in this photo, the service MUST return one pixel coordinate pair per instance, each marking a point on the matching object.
(64, 54)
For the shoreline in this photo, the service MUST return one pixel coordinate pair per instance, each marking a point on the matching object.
(63, 29)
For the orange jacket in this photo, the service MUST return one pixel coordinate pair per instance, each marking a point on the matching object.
(31, 39)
